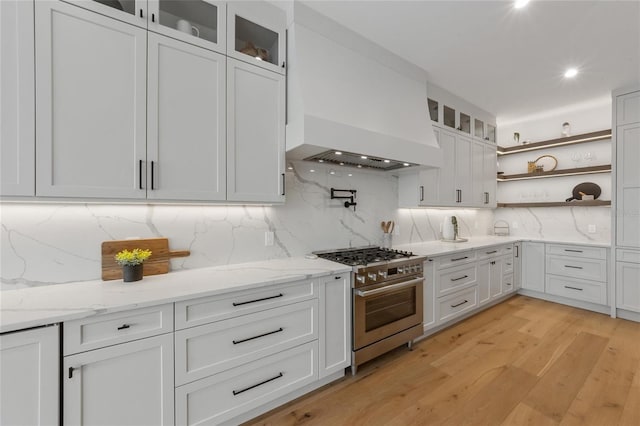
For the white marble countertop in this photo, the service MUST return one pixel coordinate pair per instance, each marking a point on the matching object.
(438, 248)
(36, 306)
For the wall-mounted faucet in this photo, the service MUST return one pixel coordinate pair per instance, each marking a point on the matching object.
(351, 197)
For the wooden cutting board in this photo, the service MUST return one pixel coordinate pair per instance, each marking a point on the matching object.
(157, 264)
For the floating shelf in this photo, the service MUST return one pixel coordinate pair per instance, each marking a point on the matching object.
(565, 172)
(570, 140)
(594, 203)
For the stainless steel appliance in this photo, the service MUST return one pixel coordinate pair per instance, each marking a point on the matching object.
(387, 299)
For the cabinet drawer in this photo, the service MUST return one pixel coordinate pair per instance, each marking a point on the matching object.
(226, 395)
(216, 308)
(577, 289)
(507, 284)
(457, 304)
(209, 349)
(508, 264)
(490, 252)
(623, 255)
(110, 329)
(572, 267)
(453, 279)
(577, 251)
(455, 259)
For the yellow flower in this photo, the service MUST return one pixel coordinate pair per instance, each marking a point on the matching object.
(133, 257)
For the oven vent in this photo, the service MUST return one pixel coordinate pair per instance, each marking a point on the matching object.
(360, 161)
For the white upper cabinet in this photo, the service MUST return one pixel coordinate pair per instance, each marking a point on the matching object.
(186, 149)
(463, 191)
(91, 104)
(133, 12)
(17, 108)
(256, 34)
(199, 22)
(255, 133)
(628, 185)
(489, 173)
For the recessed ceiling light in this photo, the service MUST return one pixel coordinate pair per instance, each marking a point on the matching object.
(519, 4)
(364, 157)
(321, 161)
(406, 164)
(338, 153)
(570, 73)
(312, 171)
(350, 174)
(387, 161)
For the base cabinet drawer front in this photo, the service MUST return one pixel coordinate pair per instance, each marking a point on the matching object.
(454, 279)
(628, 286)
(508, 262)
(508, 284)
(489, 252)
(455, 259)
(221, 397)
(457, 304)
(217, 308)
(623, 255)
(110, 329)
(577, 251)
(209, 349)
(127, 384)
(590, 269)
(594, 292)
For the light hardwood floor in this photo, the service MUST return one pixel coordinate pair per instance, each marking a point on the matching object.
(522, 362)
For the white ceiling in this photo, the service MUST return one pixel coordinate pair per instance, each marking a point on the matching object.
(507, 61)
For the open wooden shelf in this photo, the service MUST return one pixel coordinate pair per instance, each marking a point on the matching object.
(564, 172)
(593, 203)
(570, 140)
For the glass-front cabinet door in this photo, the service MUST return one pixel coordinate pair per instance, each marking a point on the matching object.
(491, 133)
(256, 34)
(449, 117)
(465, 123)
(130, 11)
(199, 22)
(478, 128)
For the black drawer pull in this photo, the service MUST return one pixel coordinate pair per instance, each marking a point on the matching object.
(258, 300)
(573, 251)
(459, 258)
(573, 288)
(509, 284)
(337, 278)
(124, 327)
(508, 264)
(238, 392)
(235, 342)
(71, 372)
(491, 252)
(573, 267)
(460, 278)
(140, 174)
(459, 304)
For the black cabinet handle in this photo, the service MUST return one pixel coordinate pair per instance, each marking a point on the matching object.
(238, 392)
(71, 372)
(337, 278)
(459, 304)
(460, 278)
(141, 15)
(124, 327)
(573, 288)
(459, 258)
(152, 175)
(491, 252)
(573, 267)
(153, 17)
(258, 300)
(517, 251)
(284, 65)
(283, 191)
(573, 251)
(140, 174)
(269, 333)
(421, 193)
(493, 262)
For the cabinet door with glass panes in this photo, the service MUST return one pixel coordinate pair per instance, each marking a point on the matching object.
(256, 34)
(133, 12)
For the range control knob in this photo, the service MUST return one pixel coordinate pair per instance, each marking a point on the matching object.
(372, 276)
(401, 270)
(361, 278)
(383, 274)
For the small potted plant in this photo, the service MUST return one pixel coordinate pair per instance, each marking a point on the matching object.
(131, 262)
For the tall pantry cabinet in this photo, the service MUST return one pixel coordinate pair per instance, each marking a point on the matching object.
(626, 220)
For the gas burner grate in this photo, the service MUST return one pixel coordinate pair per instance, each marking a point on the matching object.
(364, 256)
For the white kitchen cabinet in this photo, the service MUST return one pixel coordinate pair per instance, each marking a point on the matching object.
(489, 173)
(256, 34)
(335, 324)
(134, 12)
(125, 384)
(429, 295)
(628, 185)
(628, 286)
(255, 133)
(484, 281)
(533, 266)
(186, 146)
(30, 371)
(91, 104)
(517, 266)
(463, 176)
(483, 182)
(17, 108)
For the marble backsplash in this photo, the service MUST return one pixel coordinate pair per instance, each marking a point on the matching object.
(56, 243)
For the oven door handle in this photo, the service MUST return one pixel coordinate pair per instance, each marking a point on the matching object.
(389, 288)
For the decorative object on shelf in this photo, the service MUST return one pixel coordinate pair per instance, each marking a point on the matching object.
(131, 262)
(257, 52)
(585, 191)
(351, 197)
(566, 129)
(501, 228)
(534, 167)
(516, 138)
(387, 229)
(186, 27)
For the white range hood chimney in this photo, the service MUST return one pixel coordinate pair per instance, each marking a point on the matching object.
(346, 94)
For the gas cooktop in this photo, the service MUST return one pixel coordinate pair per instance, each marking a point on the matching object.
(362, 256)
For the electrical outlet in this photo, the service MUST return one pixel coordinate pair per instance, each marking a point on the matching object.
(268, 238)
(591, 229)
(514, 225)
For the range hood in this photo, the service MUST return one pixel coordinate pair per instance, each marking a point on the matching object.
(351, 102)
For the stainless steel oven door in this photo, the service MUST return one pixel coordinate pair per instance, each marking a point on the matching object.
(382, 310)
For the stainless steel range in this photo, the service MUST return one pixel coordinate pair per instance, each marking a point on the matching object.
(387, 299)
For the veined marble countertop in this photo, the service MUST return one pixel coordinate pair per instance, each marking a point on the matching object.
(438, 248)
(36, 306)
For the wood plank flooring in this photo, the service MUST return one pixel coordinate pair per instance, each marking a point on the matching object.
(522, 362)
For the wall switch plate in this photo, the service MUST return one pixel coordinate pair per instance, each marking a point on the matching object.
(269, 238)
(591, 229)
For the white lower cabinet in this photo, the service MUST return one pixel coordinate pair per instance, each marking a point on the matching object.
(30, 371)
(125, 384)
(533, 261)
(628, 286)
(335, 324)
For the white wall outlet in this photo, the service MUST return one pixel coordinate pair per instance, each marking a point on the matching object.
(514, 225)
(591, 229)
(269, 238)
